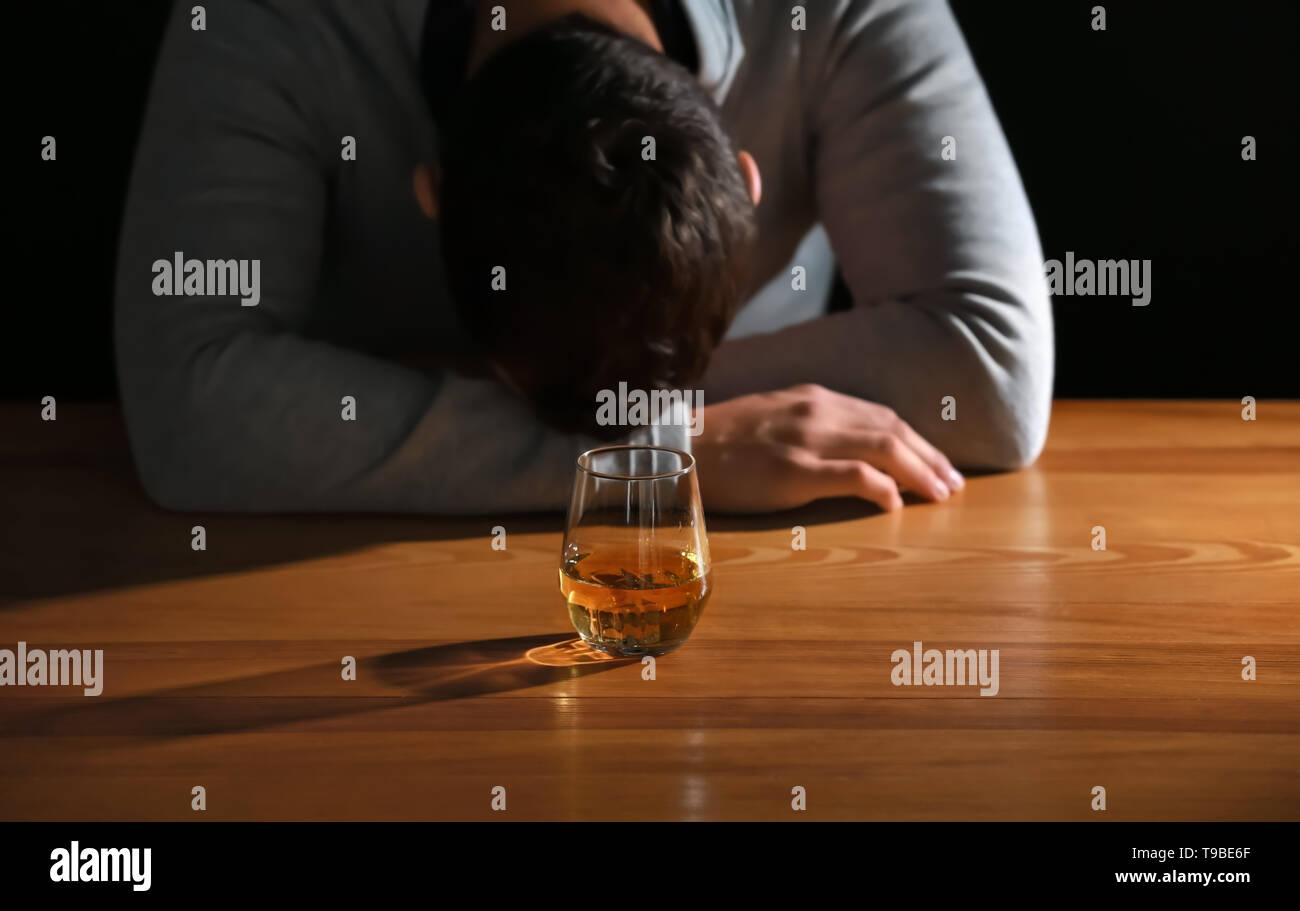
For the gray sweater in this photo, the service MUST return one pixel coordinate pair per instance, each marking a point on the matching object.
(233, 407)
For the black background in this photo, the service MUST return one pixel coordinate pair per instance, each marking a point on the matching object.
(1128, 140)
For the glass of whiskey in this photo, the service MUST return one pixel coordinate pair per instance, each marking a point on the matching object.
(634, 568)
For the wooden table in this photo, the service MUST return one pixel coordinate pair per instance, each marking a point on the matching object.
(1119, 668)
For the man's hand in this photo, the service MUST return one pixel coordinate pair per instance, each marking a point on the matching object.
(778, 450)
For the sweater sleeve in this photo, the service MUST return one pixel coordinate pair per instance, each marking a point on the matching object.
(940, 251)
(234, 408)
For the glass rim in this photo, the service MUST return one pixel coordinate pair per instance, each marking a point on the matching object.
(687, 467)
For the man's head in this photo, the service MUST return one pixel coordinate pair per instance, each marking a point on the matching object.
(594, 171)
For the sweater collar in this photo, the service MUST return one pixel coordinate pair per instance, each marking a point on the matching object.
(717, 41)
(713, 23)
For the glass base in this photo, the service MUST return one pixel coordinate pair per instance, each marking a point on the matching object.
(632, 650)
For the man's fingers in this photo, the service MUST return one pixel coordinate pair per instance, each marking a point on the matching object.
(937, 461)
(889, 453)
(872, 418)
(852, 478)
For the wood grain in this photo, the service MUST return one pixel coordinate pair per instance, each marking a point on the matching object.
(1119, 668)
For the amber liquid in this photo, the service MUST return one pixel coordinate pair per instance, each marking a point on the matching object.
(630, 603)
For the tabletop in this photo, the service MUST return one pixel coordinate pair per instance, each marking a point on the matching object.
(1140, 586)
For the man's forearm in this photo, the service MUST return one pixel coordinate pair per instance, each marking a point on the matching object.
(987, 353)
(259, 423)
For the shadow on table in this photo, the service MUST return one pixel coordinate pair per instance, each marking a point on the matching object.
(821, 512)
(438, 673)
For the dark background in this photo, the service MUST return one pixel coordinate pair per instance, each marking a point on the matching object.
(1128, 140)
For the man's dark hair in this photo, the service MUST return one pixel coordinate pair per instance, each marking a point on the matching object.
(618, 266)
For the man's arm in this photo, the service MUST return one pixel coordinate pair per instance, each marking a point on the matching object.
(227, 406)
(942, 256)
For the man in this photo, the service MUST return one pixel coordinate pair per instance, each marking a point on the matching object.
(844, 111)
